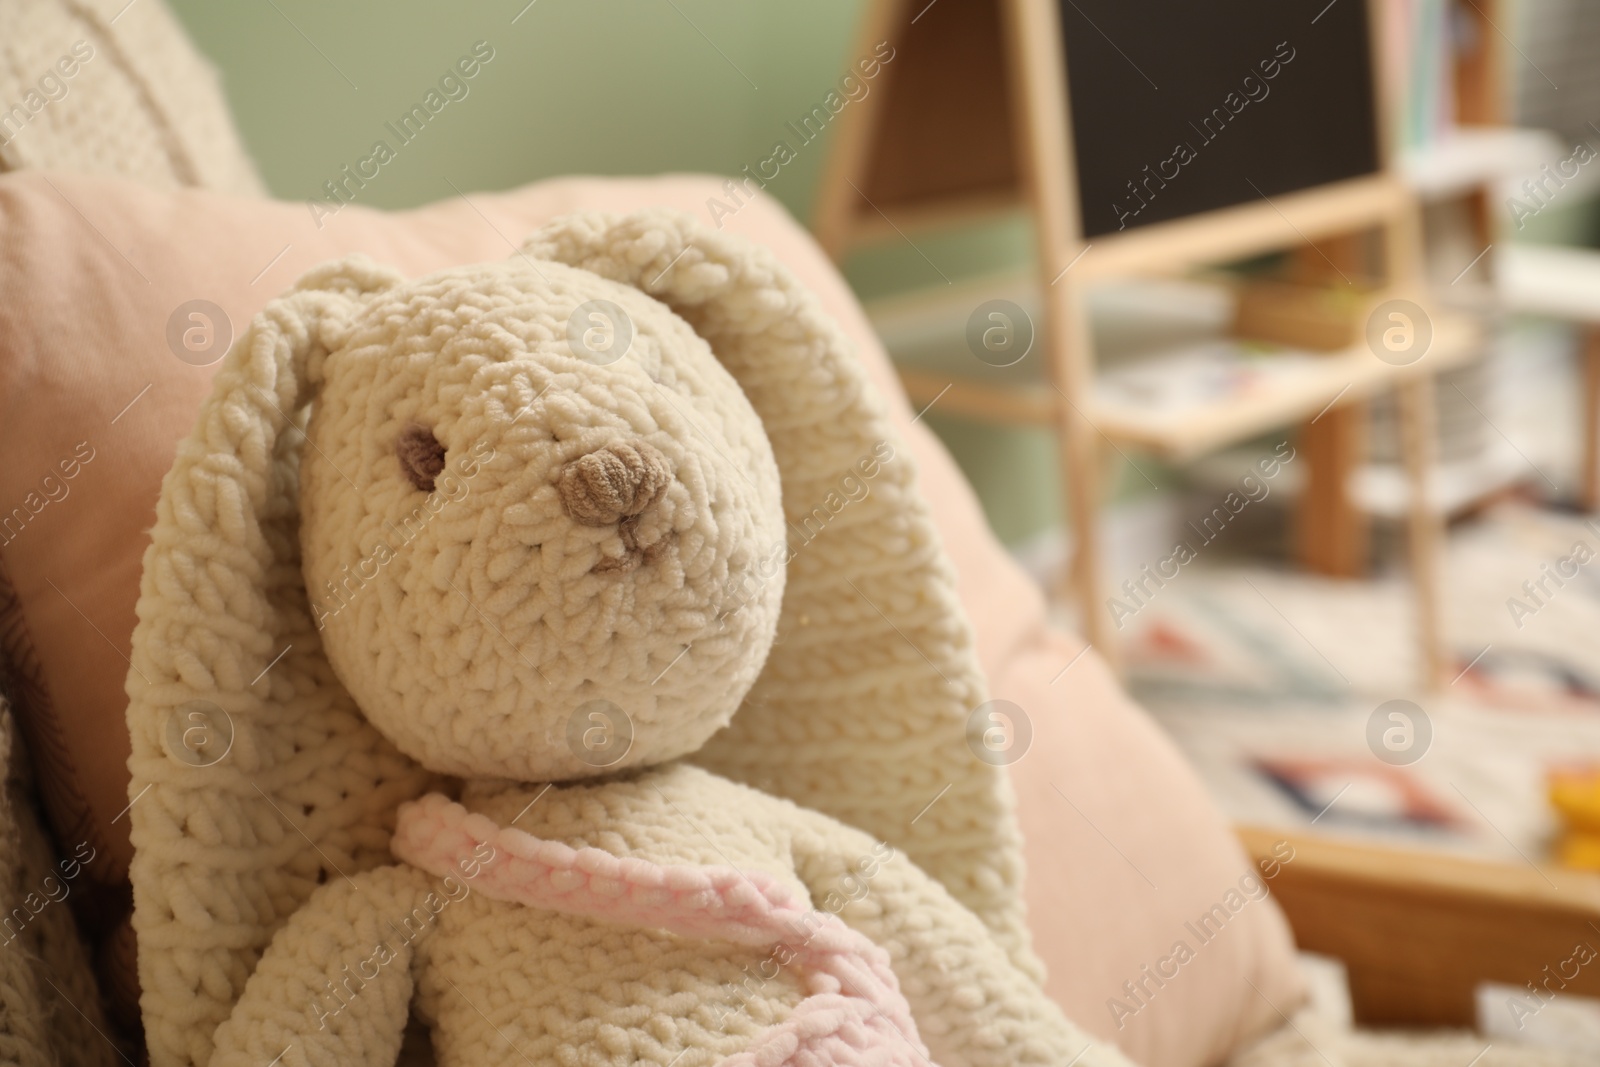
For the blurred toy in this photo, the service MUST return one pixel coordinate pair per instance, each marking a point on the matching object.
(1575, 795)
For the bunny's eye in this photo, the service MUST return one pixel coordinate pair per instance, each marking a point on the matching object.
(421, 456)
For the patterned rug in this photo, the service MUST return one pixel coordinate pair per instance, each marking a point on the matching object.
(1294, 695)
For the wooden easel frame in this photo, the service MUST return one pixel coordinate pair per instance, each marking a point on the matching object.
(1041, 136)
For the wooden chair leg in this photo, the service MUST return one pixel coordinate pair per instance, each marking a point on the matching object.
(1079, 450)
(1589, 490)
(1331, 532)
(1425, 524)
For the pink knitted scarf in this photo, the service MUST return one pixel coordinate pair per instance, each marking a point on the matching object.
(854, 1015)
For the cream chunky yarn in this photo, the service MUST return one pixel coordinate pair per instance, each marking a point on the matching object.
(584, 978)
(532, 553)
(471, 645)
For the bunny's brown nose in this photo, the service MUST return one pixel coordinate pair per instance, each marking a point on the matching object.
(614, 483)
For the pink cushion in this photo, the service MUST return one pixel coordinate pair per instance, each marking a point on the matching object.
(91, 269)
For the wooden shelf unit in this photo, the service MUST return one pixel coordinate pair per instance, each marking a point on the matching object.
(929, 148)
(1349, 377)
(1419, 931)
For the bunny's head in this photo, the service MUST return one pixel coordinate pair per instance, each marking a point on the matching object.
(541, 525)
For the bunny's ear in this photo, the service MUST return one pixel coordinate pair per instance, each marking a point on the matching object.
(254, 776)
(862, 709)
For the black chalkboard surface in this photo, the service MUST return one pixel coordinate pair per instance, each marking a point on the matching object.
(1186, 106)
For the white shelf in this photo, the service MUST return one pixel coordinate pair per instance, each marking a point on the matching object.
(1473, 156)
(1272, 391)
(1552, 280)
(1383, 489)
(1222, 406)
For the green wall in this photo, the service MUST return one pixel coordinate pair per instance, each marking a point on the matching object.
(575, 86)
(586, 86)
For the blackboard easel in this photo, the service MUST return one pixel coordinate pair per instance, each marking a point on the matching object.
(972, 118)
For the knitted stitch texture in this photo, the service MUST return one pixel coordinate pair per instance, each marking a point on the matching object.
(470, 623)
(854, 1014)
(861, 710)
(663, 917)
(225, 851)
(140, 100)
(462, 631)
(50, 1009)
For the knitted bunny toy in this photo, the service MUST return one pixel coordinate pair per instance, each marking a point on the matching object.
(544, 541)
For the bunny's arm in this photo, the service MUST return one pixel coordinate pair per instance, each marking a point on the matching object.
(972, 1006)
(335, 984)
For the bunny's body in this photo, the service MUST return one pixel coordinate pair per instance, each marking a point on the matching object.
(568, 988)
(544, 540)
(559, 976)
